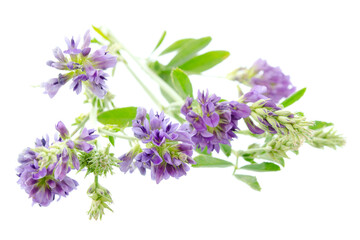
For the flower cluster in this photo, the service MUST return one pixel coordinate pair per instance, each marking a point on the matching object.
(271, 118)
(214, 122)
(43, 170)
(277, 84)
(101, 198)
(98, 162)
(322, 138)
(82, 67)
(168, 147)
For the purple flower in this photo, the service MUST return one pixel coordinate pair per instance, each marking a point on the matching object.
(82, 66)
(186, 108)
(169, 147)
(61, 128)
(255, 94)
(214, 122)
(44, 175)
(88, 134)
(127, 163)
(210, 116)
(54, 84)
(81, 143)
(252, 127)
(62, 168)
(76, 85)
(43, 142)
(40, 182)
(84, 146)
(127, 160)
(239, 110)
(97, 81)
(72, 46)
(278, 85)
(101, 59)
(264, 112)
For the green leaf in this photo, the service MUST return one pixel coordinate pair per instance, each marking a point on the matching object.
(261, 167)
(276, 159)
(160, 41)
(319, 124)
(181, 83)
(208, 161)
(98, 30)
(121, 117)
(176, 45)
(187, 51)
(249, 158)
(204, 62)
(249, 180)
(112, 140)
(94, 40)
(226, 149)
(293, 98)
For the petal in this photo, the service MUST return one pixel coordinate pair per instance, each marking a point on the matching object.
(70, 144)
(60, 127)
(167, 158)
(75, 161)
(42, 173)
(252, 127)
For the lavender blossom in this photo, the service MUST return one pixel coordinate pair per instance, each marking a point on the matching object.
(127, 160)
(43, 170)
(214, 122)
(273, 119)
(39, 182)
(168, 147)
(277, 83)
(83, 67)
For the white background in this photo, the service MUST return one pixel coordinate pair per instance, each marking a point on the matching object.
(316, 196)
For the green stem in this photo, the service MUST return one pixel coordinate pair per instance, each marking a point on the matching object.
(169, 90)
(151, 95)
(109, 133)
(93, 115)
(81, 125)
(96, 181)
(236, 164)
